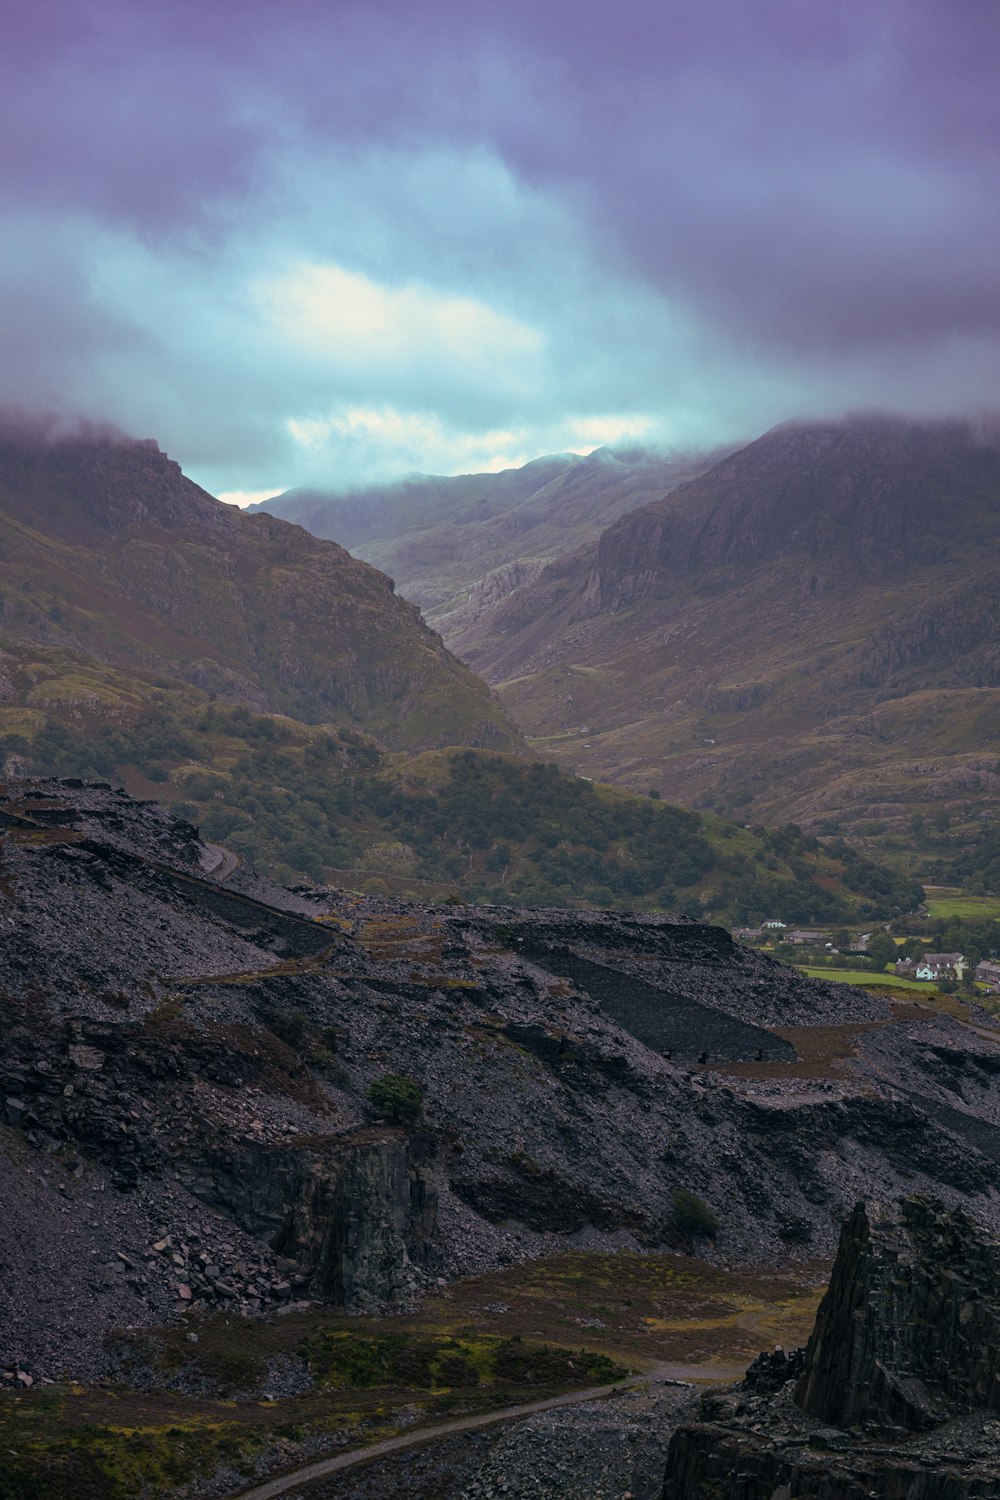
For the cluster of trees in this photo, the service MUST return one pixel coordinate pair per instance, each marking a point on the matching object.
(757, 887)
(977, 868)
(302, 802)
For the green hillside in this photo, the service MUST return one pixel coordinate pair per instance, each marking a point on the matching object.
(120, 577)
(327, 804)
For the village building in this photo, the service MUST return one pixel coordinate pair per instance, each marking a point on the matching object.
(801, 938)
(941, 966)
(747, 934)
(988, 972)
(774, 922)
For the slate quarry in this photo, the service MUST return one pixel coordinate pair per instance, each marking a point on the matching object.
(186, 1049)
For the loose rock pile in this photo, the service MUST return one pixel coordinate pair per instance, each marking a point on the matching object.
(204, 1274)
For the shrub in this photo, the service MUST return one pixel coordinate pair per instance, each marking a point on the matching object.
(691, 1215)
(398, 1098)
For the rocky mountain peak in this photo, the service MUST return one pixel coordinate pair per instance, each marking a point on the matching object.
(909, 1330)
(96, 484)
(859, 500)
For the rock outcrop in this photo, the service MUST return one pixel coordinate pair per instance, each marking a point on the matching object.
(900, 1382)
(909, 1331)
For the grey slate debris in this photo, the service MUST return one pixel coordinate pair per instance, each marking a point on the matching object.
(184, 1068)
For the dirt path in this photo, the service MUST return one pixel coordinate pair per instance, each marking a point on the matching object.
(227, 863)
(324, 1466)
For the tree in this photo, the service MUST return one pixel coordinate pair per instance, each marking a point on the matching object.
(881, 951)
(398, 1098)
(691, 1215)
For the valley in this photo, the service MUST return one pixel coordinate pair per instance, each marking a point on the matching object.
(499, 751)
(383, 1106)
(803, 632)
(283, 697)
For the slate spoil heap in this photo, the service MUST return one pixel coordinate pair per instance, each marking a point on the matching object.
(187, 1053)
(900, 1394)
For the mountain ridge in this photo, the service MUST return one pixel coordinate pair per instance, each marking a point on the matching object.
(440, 537)
(117, 565)
(781, 620)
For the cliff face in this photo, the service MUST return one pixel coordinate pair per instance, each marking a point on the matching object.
(357, 1214)
(184, 1069)
(909, 1331)
(905, 1343)
(784, 637)
(124, 580)
(864, 501)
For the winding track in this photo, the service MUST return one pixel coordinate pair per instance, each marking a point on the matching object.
(227, 863)
(677, 1374)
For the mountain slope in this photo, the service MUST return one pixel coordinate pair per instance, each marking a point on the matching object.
(808, 631)
(321, 805)
(220, 662)
(453, 543)
(122, 578)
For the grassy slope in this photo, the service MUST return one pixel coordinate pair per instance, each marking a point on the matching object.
(322, 804)
(954, 903)
(121, 576)
(756, 709)
(491, 1341)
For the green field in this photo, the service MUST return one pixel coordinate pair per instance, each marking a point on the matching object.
(948, 901)
(866, 976)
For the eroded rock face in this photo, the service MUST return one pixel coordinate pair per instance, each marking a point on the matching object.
(909, 1332)
(901, 1384)
(355, 1214)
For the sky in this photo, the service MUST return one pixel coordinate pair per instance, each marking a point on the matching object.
(328, 243)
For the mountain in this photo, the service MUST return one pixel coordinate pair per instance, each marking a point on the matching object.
(806, 632)
(222, 662)
(123, 581)
(453, 543)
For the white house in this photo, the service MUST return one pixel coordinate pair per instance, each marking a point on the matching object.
(941, 966)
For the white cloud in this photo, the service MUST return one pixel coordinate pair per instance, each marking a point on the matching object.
(595, 432)
(350, 320)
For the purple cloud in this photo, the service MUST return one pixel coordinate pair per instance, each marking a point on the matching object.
(703, 214)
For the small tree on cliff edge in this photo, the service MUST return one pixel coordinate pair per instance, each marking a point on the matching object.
(399, 1099)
